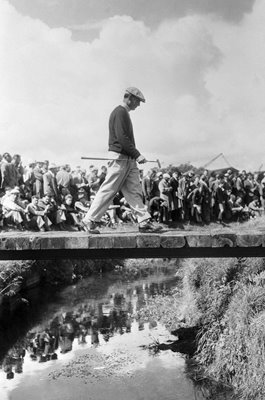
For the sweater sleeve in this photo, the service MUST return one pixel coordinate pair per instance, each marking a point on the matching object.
(124, 134)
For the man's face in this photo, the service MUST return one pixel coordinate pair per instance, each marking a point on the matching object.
(68, 201)
(134, 102)
(35, 201)
(8, 157)
(46, 199)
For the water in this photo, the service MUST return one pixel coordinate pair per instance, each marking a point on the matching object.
(85, 342)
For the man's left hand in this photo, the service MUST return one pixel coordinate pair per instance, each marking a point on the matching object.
(141, 159)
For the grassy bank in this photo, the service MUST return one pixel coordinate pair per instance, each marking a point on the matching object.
(225, 298)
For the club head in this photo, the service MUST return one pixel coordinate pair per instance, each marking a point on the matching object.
(158, 163)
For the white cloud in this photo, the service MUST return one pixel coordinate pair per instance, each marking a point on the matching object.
(203, 80)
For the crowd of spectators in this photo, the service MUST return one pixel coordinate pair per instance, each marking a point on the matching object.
(42, 196)
(204, 197)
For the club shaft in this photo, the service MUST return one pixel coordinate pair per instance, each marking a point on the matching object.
(112, 159)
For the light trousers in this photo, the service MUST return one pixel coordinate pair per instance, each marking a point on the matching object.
(123, 175)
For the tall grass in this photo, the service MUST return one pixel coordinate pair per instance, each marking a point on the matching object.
(231, 298)
(226, 299)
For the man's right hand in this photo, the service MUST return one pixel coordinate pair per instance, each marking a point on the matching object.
(141, 159)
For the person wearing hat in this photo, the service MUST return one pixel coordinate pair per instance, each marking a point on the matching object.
(13, 213)
(123, 174)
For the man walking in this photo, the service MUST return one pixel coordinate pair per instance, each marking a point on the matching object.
(123, 174)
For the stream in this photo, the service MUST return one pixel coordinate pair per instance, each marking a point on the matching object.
(85, 341)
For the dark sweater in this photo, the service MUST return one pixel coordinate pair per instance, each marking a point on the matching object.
(121, 138)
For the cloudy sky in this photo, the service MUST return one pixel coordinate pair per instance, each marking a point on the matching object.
(64, 65)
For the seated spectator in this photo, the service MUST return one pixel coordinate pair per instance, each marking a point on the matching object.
(71, 213)
(234, 208)
(255, 208)
(126, 212)
(37, 217)
(13, 213)
(55, 214)
(155, 210)
(82, 203)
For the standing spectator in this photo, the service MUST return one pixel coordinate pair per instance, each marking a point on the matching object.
(239, 184)
(64, 181)
(28, 176)
(146, 187)
(191, 184)
(18, 169)
(93, 181)
(50, 183)
(166, 195)
(38, 176)
(155, 192)
(221, 198)
(79, 180)
(8, 172)
(206, 200)
(249, 188)
(197, 198)
(181, 196)
(174, 183)
(45, 166)
(90, 169)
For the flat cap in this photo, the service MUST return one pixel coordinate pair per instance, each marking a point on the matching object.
(136, 92)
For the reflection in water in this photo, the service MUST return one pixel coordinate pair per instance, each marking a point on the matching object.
(105, 314)
(98, 313)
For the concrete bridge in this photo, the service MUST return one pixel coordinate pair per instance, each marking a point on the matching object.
(223, 242)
